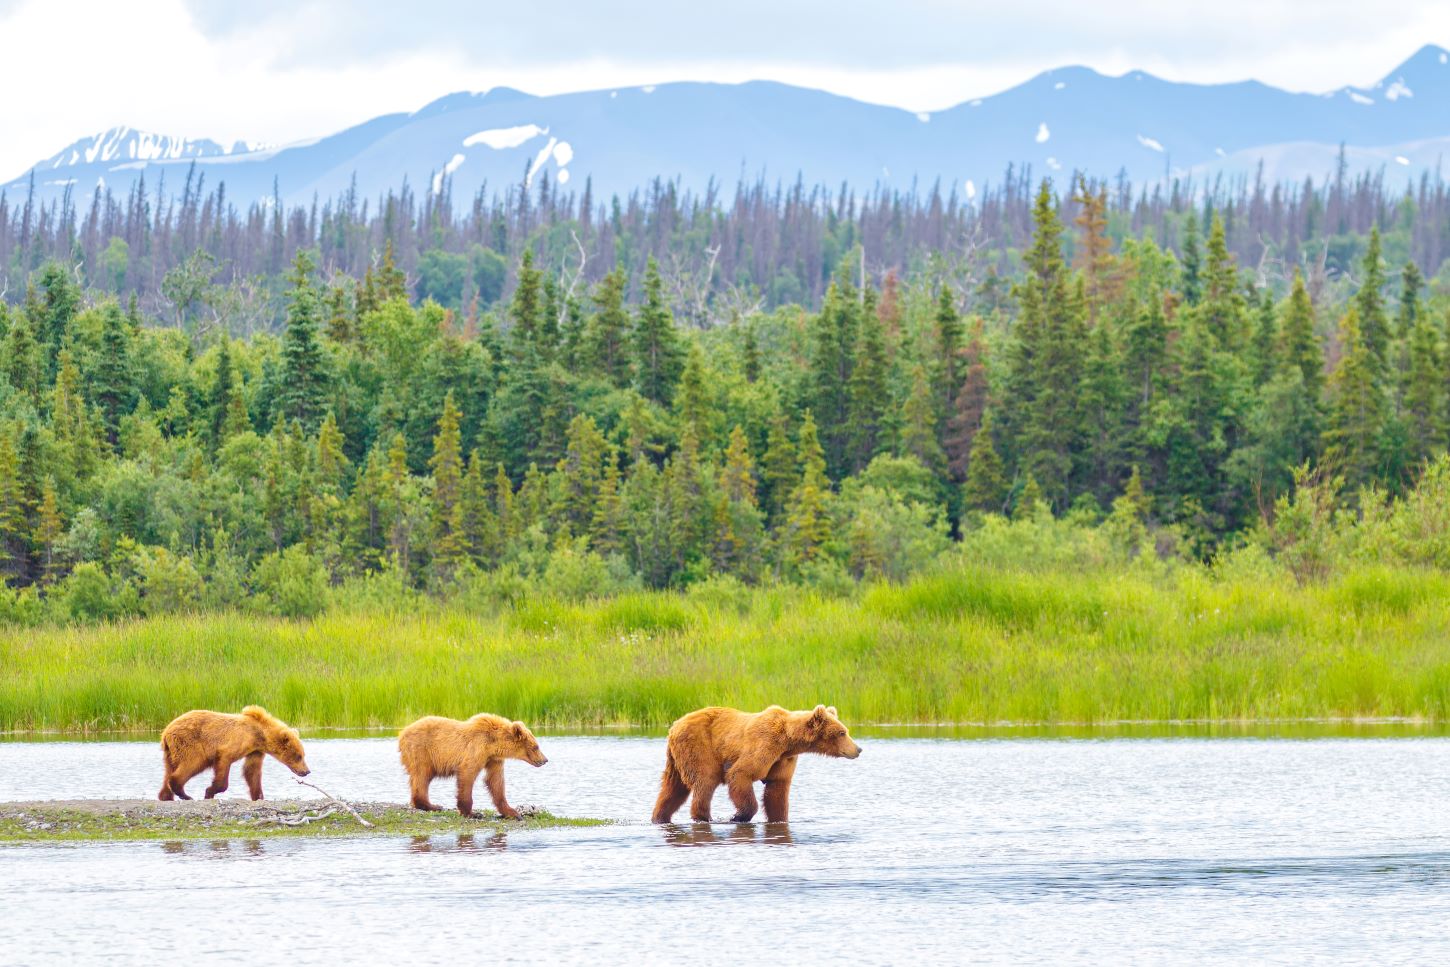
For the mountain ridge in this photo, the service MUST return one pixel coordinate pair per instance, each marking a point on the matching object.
(696, 133)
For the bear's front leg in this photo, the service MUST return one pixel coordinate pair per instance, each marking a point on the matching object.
(221, 775)
(252, 772)
(742, 794)
(493, 778)
(777, 790)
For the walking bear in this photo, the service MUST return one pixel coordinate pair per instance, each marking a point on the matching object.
(201, 740)
(715, 745)
(434, 746)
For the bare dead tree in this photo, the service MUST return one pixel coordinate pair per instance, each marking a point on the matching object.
(689, 286)
(572, 278)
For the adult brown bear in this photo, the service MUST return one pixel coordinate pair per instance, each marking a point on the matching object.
(201, 740)
(435, 746)
(715, 745)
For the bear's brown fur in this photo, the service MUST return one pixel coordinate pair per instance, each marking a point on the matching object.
(435, 746)
(201, 740)
(715, 745)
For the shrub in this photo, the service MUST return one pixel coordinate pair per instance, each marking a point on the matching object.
(291, 583)
(85, 594)
(168, 582)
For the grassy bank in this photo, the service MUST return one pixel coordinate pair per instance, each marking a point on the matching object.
(82, 820)
(962, 645)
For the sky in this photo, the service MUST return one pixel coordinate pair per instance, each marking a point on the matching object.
(277, 71)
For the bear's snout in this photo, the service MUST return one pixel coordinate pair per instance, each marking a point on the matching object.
(542, 760)
(855, 751)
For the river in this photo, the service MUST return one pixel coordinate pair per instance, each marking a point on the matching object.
(923, 851)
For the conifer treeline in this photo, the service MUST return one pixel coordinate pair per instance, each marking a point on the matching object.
(767, 244)
(572, 433)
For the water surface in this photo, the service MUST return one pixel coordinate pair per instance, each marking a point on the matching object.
(922, 851)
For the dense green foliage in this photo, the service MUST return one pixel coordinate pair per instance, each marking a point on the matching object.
(599, 447)
(1033, 620)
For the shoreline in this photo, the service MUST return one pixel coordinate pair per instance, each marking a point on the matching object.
(131, 820)
(1187, 727)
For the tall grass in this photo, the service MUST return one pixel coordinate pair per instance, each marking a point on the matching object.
(968, 644)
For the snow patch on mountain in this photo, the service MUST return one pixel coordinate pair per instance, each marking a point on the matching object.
(1151, 143)
(1398, 90)
(1042, 133)
(1359, 98)
(501, 138)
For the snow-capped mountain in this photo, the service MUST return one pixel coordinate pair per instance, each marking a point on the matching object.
(1061, 120)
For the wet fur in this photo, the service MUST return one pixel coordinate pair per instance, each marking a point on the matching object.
(723, 745)
(201, 740)
(434, 747)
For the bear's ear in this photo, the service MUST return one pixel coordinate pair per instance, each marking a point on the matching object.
(819, 715)
(518, 730)
(832, 710)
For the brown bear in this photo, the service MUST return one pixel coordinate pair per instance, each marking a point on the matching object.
(715, 745)
(434, 746)
(202, 740)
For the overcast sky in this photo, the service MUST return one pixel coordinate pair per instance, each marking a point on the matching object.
(282, 70)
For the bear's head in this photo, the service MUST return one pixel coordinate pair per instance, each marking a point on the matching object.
(523, 745)
(281, 742)
(824, 734)
(285, 745)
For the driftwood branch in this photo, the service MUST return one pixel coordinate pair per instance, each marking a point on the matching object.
(297, 819)
(341, 802)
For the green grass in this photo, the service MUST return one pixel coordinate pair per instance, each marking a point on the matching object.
(36, 822)
(965, 645)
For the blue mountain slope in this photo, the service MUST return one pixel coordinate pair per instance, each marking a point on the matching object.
(1071, 118)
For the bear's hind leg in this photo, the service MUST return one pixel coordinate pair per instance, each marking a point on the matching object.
(220, 777)
(182, 773)
(673, 792)
(252, 772)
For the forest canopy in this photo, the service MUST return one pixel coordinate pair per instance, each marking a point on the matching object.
(600, 424)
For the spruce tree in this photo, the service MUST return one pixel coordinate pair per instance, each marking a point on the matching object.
(918, 426)
(607, 336)
(833, 335)
(867, 394)
(969, 406)
(658, 358)
(1298, 345)
(780, 467)
(1357, 408)
(446, 464)
(302, 393)
(1411, 284)
(526, 310)
(12, 511)
(986, 485)
(1191, 260)
(48, 530)
(113, 385)
(1424, 393)
(1044, 367)
(1369, 302)
(949, 333)
(221, 393)
(807, 524)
